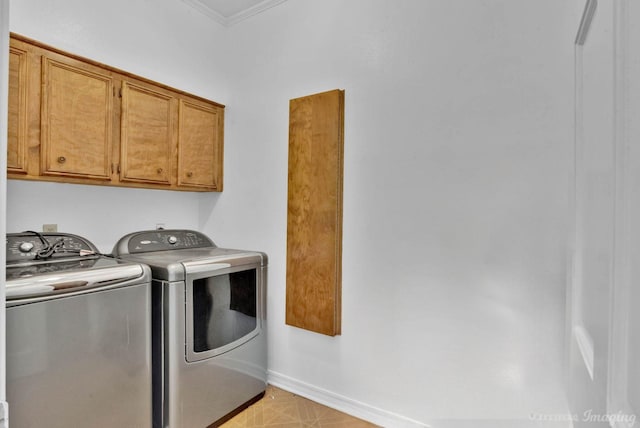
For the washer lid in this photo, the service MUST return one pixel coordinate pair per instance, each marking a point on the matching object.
(54, 279)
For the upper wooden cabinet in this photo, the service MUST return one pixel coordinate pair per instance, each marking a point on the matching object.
(198, 145)
(147, 134)
(78, 121)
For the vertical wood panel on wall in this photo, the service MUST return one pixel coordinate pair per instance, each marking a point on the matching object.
(314, 214)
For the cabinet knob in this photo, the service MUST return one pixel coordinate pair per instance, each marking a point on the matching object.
(62, 159)
(189, 174)
(159, 170)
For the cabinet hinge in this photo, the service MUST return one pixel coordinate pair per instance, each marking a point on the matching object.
(120, 92)
(118, 168)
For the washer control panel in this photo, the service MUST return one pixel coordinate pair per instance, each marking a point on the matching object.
(31, 247)
(162, 240)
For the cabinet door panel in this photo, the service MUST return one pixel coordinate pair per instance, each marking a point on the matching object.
(146, 135)
(17, 121)
(199, 146)
(77, 115)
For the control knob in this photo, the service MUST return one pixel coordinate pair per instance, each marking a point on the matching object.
(25, 247)
(172, 239)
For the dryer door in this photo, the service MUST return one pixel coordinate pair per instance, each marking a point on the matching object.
(223, 310)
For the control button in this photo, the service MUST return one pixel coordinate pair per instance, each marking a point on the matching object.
(172, 239)
(25, 247)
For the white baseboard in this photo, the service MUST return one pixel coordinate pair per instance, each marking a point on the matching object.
(347, 405)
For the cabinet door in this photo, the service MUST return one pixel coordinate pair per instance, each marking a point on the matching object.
(17, 121)
(200, 145)
(77, 116)
(147, 135)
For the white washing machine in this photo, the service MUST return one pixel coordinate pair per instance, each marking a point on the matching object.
(209, 325)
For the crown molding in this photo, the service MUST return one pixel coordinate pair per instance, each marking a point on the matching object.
(228, 21)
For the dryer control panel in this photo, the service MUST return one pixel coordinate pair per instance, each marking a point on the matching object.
(163, 240)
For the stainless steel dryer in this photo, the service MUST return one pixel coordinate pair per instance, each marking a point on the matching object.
(78, 335)
(209, 325)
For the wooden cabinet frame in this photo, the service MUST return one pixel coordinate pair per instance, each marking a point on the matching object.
(17, 130)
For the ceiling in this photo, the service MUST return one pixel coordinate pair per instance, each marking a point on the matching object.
(229, 12)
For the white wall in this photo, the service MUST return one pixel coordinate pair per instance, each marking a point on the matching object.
(458, 142)
(166, 41)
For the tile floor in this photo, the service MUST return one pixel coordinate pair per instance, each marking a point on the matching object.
(282, 409)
